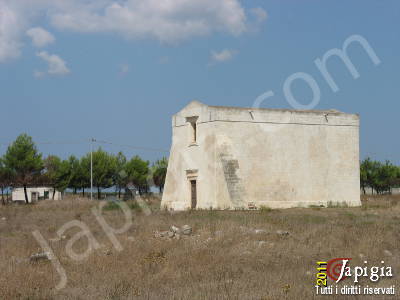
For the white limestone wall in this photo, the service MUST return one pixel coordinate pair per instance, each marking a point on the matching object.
(19, 195)
(292, 165)
(272, 158)
(185, 156)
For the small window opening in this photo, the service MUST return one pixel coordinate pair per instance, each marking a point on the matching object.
(193, 129)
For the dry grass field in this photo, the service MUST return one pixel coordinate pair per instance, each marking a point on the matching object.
(230, 255)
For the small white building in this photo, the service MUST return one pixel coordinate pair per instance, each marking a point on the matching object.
(35, 194)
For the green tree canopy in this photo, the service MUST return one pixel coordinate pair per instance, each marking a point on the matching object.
(24, 161)
(159, 171)
(83, 178)
(104, 166)
(80, 176)
(381, 177)
(120, 177)
(137, 171)
(57, 172)
(5, 178)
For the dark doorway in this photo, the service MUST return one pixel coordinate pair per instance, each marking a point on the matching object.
(34, 197)
(193, 187)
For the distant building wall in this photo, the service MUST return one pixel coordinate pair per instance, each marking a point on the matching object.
(18, 194)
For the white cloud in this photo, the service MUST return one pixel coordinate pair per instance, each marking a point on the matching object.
(56, 65)
(223, 56)
(259, 13)
(124, 69)
(168, 21)
(10, 27)
(40, 37)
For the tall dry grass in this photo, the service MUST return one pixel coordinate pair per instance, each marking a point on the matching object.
(230, 255)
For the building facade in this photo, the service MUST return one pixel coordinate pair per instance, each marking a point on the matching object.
(35, 194)
(245, 158)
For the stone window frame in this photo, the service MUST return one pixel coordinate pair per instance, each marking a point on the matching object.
(193, 130)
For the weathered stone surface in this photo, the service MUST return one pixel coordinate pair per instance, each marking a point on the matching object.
(282, 233)
(40, 256)
(58, 239)
(246, 230)
(175, 229)
(251, 205)
(160, 234)
(171, 234)
(257, 156)
(186, 230)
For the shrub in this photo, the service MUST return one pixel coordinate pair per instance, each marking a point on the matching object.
(264, 208)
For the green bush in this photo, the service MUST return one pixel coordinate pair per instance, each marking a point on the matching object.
(264, 208)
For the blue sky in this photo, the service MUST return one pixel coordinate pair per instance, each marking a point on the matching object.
(118, 70)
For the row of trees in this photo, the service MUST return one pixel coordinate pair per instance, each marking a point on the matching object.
(381, 177)
(22, 165)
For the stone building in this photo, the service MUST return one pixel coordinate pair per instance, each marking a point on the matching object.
(245, 158)
(35, 194)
